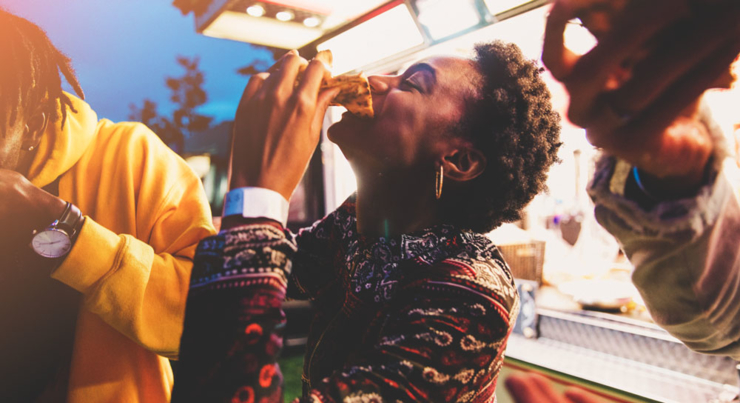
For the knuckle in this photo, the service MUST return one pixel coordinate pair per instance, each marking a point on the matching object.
(277, 99)
(319, 64)
(271, 94)
(261, 97)
(257, 79)
(277, 104)
(295, 59)
(304, 104)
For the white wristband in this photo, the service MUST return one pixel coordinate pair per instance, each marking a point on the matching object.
(253, 202)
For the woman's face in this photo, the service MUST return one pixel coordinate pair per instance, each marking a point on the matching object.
(412, 113)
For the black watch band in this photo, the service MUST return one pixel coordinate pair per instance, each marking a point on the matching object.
(71, 220)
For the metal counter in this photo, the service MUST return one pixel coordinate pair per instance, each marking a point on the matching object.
(637, 358)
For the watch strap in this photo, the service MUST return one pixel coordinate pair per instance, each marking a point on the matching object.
(255, 202)
(71, 220)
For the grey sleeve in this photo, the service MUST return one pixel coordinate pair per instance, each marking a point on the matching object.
(686, 255)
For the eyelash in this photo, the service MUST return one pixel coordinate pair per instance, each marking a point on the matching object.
(410, 83)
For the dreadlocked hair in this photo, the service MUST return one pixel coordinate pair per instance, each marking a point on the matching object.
(511, 121)
(30, 72)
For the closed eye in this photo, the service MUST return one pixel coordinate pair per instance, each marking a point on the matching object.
(410, 84)
(421, 77)
(415, 82)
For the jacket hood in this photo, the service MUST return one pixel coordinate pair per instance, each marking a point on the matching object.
(61, 147)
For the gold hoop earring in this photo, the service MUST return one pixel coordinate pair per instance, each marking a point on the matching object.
(440, 177)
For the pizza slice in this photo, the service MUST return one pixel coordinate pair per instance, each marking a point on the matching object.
(353, 95)
(354, 91)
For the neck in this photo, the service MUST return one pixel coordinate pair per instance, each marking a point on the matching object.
(24, 163)
(389, 205)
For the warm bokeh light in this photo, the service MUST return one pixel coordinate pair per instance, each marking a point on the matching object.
(284, 16)
(373, 40)
(264, 31)
(499, 6)
(256, 10)
(311, 22)
(443, 19)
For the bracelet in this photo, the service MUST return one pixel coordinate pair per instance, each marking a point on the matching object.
(636, 175)
(254, 202)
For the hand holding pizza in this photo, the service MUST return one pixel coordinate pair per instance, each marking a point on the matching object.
(278, 124)
(637, 91)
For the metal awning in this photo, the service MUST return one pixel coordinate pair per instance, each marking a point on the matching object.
(295, 24)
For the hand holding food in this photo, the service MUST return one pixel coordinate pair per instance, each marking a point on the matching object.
(636, 92)
(278, 125)
(278, 122)
(354, 90)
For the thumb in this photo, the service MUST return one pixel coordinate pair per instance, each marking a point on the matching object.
(325, 98)
(322, 104)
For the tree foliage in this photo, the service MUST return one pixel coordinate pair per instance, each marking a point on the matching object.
(187, 94)
(258, 66)
(197, 7)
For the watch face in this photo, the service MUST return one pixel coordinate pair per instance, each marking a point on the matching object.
(51, 243)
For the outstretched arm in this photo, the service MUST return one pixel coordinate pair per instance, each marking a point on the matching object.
(663, 192)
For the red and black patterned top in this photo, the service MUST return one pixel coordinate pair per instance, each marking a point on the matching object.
(422, 317)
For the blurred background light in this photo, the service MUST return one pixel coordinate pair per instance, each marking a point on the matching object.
(383, 36)
(496, 7)
(578, 39)
(256, 10)
(311, 22)
(443, 18)
(284, 16)
(263, 31)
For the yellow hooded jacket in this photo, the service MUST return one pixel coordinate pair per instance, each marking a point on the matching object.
(146, 211)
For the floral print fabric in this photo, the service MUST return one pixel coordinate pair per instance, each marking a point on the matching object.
(419, 317)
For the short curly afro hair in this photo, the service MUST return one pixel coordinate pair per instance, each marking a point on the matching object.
(512, 123)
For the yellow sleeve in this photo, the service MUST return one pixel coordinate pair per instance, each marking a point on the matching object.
(136, 287)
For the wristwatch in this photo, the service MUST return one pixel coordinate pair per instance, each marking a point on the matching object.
(56, 240)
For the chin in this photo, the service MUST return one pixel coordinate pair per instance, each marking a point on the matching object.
(334, 131)
(346, 130)
(340, 137)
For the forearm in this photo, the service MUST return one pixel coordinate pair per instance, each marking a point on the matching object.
(687, 264)
(233, 323)
(136, 291)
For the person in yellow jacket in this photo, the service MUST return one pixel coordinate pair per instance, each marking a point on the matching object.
(105, 210)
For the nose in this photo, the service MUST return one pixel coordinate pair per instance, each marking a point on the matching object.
(381, 84)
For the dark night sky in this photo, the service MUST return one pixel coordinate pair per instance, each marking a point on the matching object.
(123, 50)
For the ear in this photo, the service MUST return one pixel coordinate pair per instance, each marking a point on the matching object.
(464, 164)
(35, 128)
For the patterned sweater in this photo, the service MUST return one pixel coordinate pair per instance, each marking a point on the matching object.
(422, 317)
